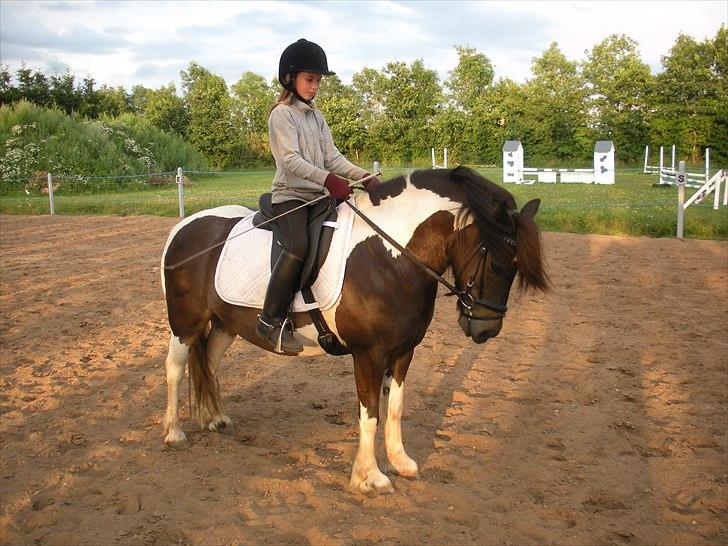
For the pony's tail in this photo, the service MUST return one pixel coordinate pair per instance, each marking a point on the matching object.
(204, 383)
(531, 267)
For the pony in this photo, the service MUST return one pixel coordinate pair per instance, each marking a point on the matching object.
(413, 229)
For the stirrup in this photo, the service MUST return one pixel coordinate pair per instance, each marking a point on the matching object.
(279, 336)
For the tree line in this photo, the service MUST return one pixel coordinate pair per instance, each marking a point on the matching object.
(397, 113)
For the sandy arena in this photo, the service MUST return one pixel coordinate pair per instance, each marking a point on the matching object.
(598, 416)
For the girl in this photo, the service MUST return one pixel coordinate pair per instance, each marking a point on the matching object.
(308, 165)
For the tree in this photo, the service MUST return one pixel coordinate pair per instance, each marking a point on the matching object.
(554, 120)
(469, 119)
(718, 139)
(400, 104)
(8, 92)
(687, 96)
(251, 100)
(343, 108)
(113, 101)
(33, 86)
(165, 109)
(208, 105)
(138, 99)
(620, 85)
(471, 78)
(63, 91)
(90, 103)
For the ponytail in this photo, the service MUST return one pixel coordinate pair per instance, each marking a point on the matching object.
(283, 96)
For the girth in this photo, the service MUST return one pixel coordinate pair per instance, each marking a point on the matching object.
(321, 224)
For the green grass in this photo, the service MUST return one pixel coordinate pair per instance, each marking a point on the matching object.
(632, 206)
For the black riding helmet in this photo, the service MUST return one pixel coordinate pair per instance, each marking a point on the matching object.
(302, 56)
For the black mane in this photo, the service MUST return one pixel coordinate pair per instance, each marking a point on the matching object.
(490, 205)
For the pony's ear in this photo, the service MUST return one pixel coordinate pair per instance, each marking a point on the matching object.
(531, 208)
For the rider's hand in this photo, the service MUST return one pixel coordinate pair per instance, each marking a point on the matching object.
(371, 182)
(338, 187)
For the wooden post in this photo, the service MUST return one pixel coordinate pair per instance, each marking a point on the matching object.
(51, 198)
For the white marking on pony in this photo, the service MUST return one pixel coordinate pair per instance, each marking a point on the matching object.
(226, 211)
(366, 474)
(399, 216)
(177, 357)
(398, 458)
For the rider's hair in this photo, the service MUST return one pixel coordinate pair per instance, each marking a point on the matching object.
(283, 96)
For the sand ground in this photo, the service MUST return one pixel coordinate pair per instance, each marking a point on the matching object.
(598, 416)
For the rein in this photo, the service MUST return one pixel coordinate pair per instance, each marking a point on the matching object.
(466, 299)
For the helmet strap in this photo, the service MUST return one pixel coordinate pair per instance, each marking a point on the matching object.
(299, 97)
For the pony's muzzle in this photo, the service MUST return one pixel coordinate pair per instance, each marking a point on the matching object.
(480, 330)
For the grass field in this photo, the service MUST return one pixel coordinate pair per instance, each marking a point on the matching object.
(632, 206)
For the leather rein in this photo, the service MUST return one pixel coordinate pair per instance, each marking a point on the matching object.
(465, 297)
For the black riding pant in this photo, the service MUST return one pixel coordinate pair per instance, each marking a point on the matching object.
(293, 227)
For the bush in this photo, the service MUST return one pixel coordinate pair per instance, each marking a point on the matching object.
(35, 140)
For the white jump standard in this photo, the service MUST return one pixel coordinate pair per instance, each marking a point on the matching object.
(601, 173)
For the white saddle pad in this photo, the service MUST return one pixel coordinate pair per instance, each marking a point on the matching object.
(243, 270)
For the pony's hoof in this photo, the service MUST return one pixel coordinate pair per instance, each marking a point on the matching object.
(223, 425)
(405, 468)
(375, 484)
(177, 440)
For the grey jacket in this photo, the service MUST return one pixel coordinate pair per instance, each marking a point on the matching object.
(304, 152)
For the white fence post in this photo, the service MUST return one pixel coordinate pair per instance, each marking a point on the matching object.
(673, 157)
(647, 154)
(446, 158)
(716, 197)
(707, 164)
(680, 179)
(181, 192)
(51, 198)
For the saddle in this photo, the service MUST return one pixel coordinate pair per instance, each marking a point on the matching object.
(321, 224)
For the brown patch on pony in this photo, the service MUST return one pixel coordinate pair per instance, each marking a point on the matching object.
(388, 189)
(375, 281)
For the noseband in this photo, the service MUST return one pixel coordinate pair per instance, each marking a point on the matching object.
(465, 297)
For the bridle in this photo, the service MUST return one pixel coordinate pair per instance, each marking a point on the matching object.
(466, 299)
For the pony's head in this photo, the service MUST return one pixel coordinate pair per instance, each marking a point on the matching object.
(493, 244)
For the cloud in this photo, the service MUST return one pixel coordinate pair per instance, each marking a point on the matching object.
(148, 43)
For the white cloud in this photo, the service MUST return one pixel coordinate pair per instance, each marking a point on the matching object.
(148, 43)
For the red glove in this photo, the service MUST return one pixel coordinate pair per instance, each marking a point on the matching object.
(337, 186)
(371, 182)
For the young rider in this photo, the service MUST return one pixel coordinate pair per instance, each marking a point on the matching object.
(308, 166)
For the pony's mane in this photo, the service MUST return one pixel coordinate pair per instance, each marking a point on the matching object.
(505, 231)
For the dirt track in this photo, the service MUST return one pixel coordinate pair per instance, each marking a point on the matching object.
(598, 416)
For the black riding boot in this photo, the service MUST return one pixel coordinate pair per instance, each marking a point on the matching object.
(273, 325)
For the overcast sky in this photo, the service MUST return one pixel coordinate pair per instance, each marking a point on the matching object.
(149, 42)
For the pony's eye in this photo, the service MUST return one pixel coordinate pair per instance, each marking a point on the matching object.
(495, 268)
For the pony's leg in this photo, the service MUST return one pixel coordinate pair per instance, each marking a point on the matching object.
(218, 341)
(177, 357)
(398, 460)
(366, 475)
